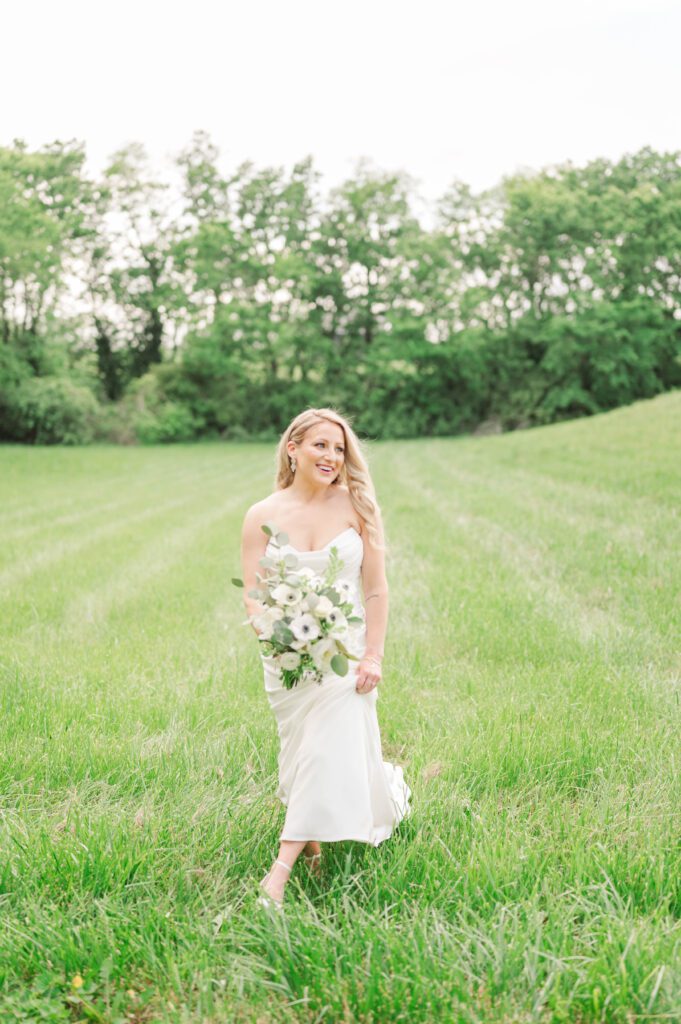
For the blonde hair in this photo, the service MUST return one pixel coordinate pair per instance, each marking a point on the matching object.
(354, 472)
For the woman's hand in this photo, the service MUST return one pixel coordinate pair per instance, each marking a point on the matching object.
(368, 674)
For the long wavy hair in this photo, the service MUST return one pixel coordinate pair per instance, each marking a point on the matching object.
(354, 472)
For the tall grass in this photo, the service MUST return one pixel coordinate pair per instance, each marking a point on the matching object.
(531, 691)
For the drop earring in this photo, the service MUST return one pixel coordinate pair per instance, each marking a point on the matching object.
(293, 465)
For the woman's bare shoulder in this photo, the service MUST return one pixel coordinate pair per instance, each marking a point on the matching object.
(268, 506)
(345, 503)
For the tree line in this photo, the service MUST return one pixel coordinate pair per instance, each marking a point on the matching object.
(134, 311)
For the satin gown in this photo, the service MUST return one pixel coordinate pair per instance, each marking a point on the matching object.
(333, 780)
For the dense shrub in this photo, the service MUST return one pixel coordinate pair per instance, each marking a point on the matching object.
(50, 410)
(152, 416)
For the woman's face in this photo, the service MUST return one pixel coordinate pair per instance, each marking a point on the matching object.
(321, 453)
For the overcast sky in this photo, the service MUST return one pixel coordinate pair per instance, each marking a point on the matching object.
(440, 89)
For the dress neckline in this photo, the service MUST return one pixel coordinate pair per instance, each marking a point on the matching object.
(315, 551)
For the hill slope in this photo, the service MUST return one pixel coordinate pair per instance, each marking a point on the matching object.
(531, 692)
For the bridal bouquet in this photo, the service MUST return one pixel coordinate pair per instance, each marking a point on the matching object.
(303, 617)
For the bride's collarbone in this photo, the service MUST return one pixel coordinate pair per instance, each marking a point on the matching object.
(297, 528)
(311, 545)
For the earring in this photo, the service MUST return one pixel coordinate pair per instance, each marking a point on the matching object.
(293, 465)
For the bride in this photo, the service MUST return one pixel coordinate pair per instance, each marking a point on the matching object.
(332, 778)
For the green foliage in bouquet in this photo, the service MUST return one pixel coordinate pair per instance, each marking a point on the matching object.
(279, 644)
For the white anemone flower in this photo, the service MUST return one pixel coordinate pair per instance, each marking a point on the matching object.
(337, 620)
(284, 594)
(305, 628)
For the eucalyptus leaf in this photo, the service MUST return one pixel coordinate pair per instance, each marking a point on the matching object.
(291, 561)
(282, 632)
(269, 529)
(339, 663)
(282, 538)
(267, 562)
(237, 582)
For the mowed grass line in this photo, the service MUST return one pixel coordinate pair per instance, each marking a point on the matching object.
(48, 517)
(606, 584)
(132, 543)
(115, 519)
(538, 878)
(62, 483)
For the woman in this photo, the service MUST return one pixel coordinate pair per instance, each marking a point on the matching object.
(332, 778)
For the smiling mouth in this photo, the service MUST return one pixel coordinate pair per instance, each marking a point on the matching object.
(326, 469)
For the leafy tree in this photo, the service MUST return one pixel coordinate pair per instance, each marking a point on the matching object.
(223, 313)
(137, 293)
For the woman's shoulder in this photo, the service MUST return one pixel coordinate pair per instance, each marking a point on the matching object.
(268, 505)
(345, 502)
(267, 510)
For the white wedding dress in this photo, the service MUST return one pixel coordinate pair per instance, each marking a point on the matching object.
(333, 780)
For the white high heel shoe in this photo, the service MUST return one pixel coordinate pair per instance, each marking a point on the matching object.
(269, 902)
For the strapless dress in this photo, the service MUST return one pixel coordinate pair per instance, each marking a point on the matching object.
(333, 780)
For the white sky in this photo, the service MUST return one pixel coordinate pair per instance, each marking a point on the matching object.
(440, 89)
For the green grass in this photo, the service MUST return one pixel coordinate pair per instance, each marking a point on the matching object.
(531, 691)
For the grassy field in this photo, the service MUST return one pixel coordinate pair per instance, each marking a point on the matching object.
(531, 691)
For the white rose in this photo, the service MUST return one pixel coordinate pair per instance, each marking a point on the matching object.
(289, 660)
(323, 607)
(264, 626)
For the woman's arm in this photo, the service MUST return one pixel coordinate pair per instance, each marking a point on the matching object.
(253, 544)
(375, 587)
